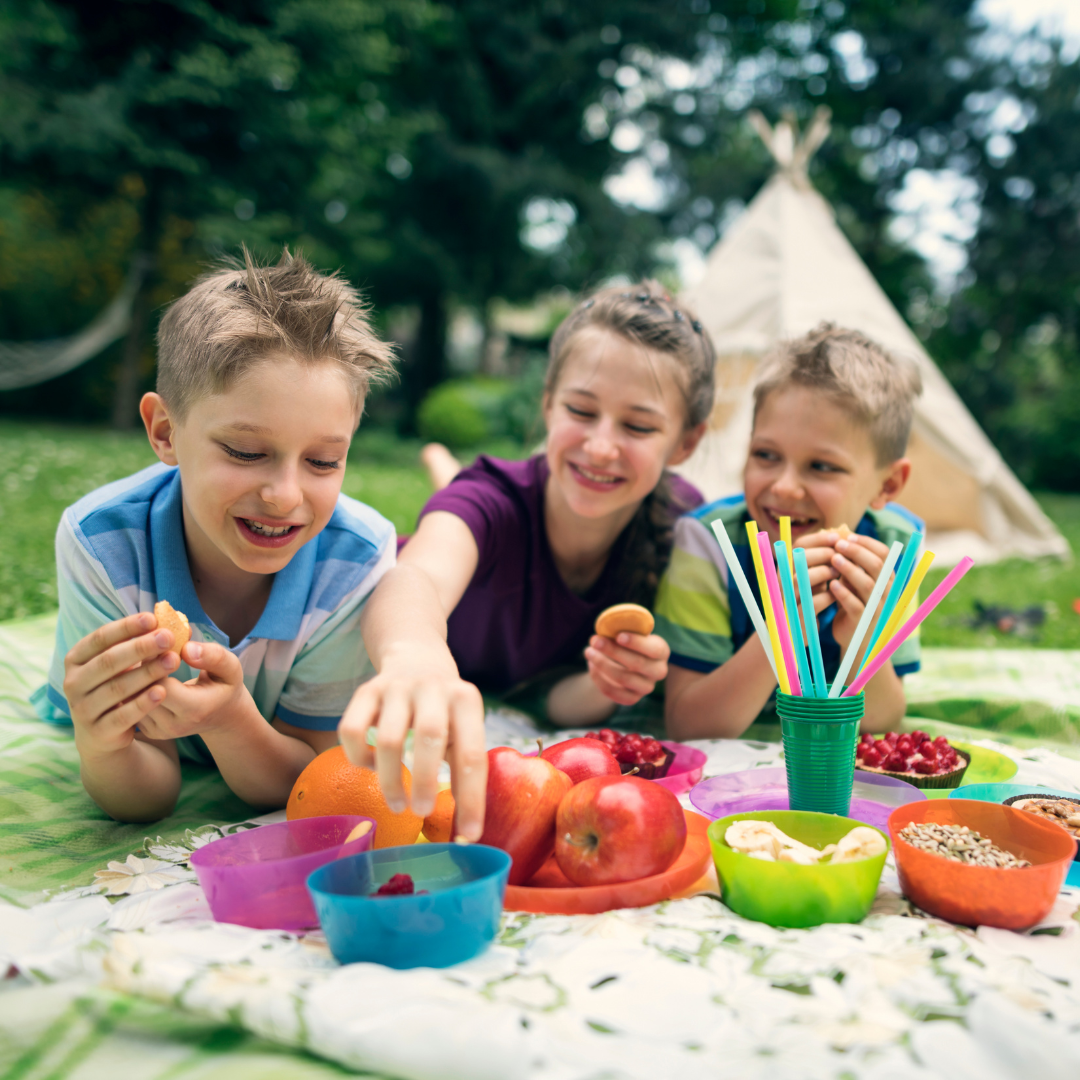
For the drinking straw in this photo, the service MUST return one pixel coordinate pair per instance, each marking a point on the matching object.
(906, 597)
(905, 631)
(867, 617)
(785, 536)
(821, 687)
(903, 572)
(783, 564)
(766, 605)
(735, 572)
(777, 602)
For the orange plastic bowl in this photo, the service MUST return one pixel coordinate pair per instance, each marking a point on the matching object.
(982, 895)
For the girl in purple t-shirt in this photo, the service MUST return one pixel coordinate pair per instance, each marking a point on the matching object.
(512, 561)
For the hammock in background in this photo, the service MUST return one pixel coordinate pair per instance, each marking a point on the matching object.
(29, 363)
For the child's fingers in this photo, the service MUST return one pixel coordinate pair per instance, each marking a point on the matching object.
(871, 561)
(361, 712)
(109, 634)
(854, 577)
(847, 600)
(618, 675)
(867, 543)
(621, 695)
(394, 719)
(214, 659)
(431, 730)
(654, 666)
(468, 760)
(81, 679)
(128, 684)
(822, 539)
(651, 646)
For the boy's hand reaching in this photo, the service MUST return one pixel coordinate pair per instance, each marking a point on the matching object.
(112, 681)
(627, 669)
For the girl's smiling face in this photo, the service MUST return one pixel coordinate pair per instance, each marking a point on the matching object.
(812, 461)
(261, 464)
(615, 419)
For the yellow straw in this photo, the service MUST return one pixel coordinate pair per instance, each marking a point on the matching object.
(766, 604)
(906, 597)
(785, 535)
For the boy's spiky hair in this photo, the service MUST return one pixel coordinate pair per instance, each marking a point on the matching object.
(878, 389)
(240, 314)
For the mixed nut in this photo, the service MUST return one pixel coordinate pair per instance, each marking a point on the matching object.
(960, 844)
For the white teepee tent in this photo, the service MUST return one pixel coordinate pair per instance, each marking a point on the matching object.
(781, 269)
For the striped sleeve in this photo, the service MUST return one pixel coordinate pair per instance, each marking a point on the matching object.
(693, 613)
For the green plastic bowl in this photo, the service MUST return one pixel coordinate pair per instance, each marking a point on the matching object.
(784, 894)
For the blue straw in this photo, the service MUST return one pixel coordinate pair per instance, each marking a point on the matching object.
(784, 567)
(903, 573)
(821, 687)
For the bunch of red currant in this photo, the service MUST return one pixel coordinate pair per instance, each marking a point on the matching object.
(912, 753)
(631, 749)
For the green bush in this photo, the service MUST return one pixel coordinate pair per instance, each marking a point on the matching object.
(450, 414)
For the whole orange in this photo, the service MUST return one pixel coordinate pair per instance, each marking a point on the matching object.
(438, 825)
(331, 784)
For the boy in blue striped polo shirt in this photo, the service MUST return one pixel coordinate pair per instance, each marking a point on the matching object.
(262, 374)
(832, 416)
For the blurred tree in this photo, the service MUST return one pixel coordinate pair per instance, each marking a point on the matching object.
(1012, 338)
(209, 123)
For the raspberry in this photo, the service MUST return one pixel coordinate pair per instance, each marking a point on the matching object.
(398, 885)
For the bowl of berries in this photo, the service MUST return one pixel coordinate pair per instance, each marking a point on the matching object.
(913, 757)
(422, 905)
(676, 766)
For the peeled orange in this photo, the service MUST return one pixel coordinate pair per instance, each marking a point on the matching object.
(439, 824)
(331, 784)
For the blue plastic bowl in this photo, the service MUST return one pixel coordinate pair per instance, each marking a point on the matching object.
(455, 921)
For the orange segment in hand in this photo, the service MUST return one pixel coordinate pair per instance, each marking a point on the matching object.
(438, 825)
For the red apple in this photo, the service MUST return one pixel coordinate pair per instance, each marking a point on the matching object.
(617, 828)
(523, 794)
(582, 758)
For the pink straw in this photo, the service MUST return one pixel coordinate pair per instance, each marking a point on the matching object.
(782, 626)
(901, 635)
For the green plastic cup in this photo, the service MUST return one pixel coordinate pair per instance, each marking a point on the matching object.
(820, 735)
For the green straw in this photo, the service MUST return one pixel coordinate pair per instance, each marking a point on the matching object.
(784, 566)
(864, 623)
(821, 688)
(911, 552)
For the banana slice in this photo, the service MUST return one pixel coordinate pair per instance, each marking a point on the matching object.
(754, 836)
(860, 843)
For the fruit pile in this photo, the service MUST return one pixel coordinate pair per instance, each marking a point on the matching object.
(915, 754)
(650, 757)
(399, 885)
(572, 800)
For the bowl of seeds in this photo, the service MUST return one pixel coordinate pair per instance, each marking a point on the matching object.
(978, 863)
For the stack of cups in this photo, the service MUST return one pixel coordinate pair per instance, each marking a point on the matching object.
(820, 736)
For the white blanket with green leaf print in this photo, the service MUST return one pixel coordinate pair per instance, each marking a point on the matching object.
(682, 989)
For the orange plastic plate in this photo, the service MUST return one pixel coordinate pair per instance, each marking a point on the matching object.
(550, 893)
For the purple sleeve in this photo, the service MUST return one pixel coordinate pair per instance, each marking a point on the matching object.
(688, 496)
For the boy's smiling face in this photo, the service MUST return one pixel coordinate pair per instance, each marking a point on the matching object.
(261, 463)
(812, 461)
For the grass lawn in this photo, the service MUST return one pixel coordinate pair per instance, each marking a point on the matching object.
(44, 468)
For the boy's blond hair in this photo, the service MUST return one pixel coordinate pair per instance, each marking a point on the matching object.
(241, 313)
(878, 389)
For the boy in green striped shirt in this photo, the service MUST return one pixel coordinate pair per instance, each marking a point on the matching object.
(832, 416)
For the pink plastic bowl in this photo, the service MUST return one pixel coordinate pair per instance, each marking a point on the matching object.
(257, 877)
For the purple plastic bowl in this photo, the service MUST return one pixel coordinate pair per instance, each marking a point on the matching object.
(258, 877)
(685, 770)
(873, 797)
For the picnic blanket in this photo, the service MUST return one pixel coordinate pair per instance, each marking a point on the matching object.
(147, 985)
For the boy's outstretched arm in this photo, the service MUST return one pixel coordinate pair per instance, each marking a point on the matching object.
(418, 685)
(111, 682)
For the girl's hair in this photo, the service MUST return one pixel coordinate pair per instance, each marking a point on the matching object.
(646, 315)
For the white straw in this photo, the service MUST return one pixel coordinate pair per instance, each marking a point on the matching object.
(735, 571)
(867, 618)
